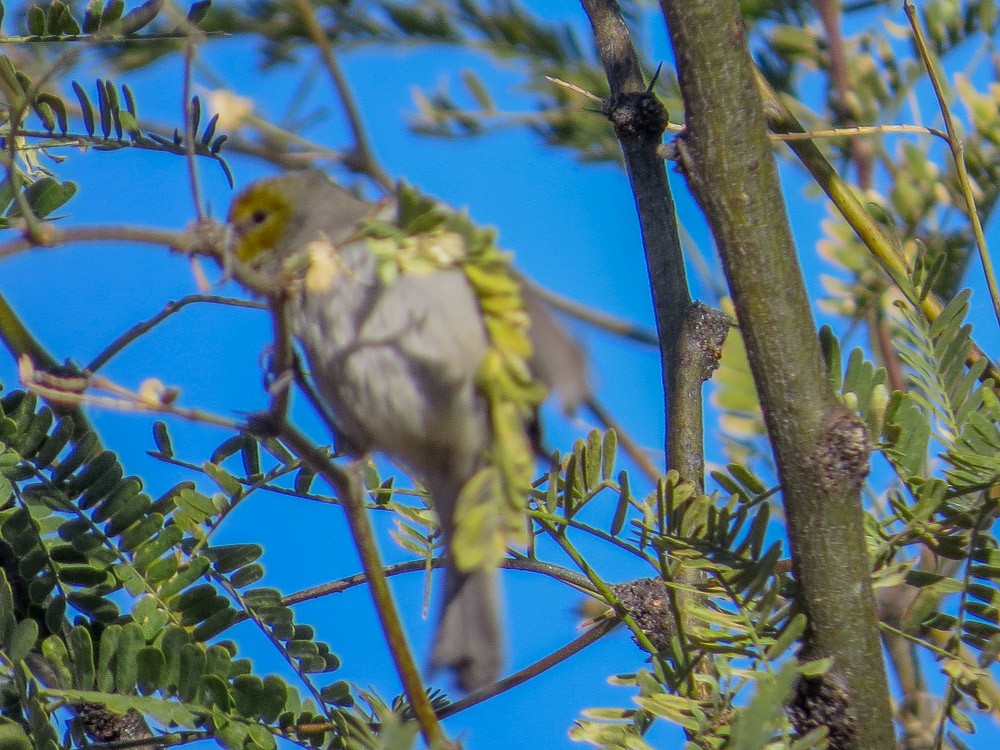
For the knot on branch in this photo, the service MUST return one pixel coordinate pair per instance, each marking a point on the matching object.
(636, 115)
(104, 725)
(823, 701)
(206, 237)
(647, 601)
(842, 452)
(704, 333)
(265, 424)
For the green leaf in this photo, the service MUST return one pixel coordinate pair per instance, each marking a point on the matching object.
(92, 16)
(250, 454)
(816, 667)
(82, 649)
(112, 12)
(150, 666)
(216, 692)
(246, 576)
(148, 615)
(114, 107)
(104, 109)
(57, 107)
(161, 436)
(230, 446)
(106, 657)
(229, 484)
(195, 113)
(273, 697)
(592, 460)
(12, 737)
(788, 637)
(943, 584)
(36, 20)
(198, 11)
(192, 667)
(215, 624)
(55, 652)
(247, 692)
(171, 641)
(608, 454)
(67, 23)
(140, 17)
(45, 196)
(622, 506)
(22, 640)
(231, 557)
(209, 134)
(129, 124)
(52, 14)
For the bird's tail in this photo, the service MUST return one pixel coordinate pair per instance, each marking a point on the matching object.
(469, 639)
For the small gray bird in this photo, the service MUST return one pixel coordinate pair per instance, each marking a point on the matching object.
(399, 339)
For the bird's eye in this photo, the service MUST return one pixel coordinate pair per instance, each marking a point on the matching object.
(258, 217)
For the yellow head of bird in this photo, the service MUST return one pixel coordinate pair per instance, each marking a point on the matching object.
(260, 217)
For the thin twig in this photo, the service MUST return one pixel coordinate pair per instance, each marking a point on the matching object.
(364, 156)
(17, 110)
(348, 487)
(94, 40)
(868, 230)
(853, 131)
(861, 151)
(860, 130)
(604, 589)
(174, 739)
(957, 154)
(171, 308)
(152, 397)
(577, 89)
(371, 562)
(592, 316)
(282, 357)
(572, 648)
(280, 647)
(416, 566)
(50, 236)
(188, 112)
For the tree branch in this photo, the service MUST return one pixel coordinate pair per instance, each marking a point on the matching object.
(363, 159)
(820, 448)
(639, 121)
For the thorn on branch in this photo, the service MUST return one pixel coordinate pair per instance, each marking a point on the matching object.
(652, 81)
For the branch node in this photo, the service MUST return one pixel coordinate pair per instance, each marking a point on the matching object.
(636, 115)
(265, 424)
(823, 701)
(703, 335)
(842, 452)
(649, 603)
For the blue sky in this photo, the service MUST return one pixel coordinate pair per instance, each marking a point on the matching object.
(572, 227)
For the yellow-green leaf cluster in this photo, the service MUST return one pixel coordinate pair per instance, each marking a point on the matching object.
(425, 237)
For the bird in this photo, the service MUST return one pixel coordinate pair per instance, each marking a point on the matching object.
(416, 335)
